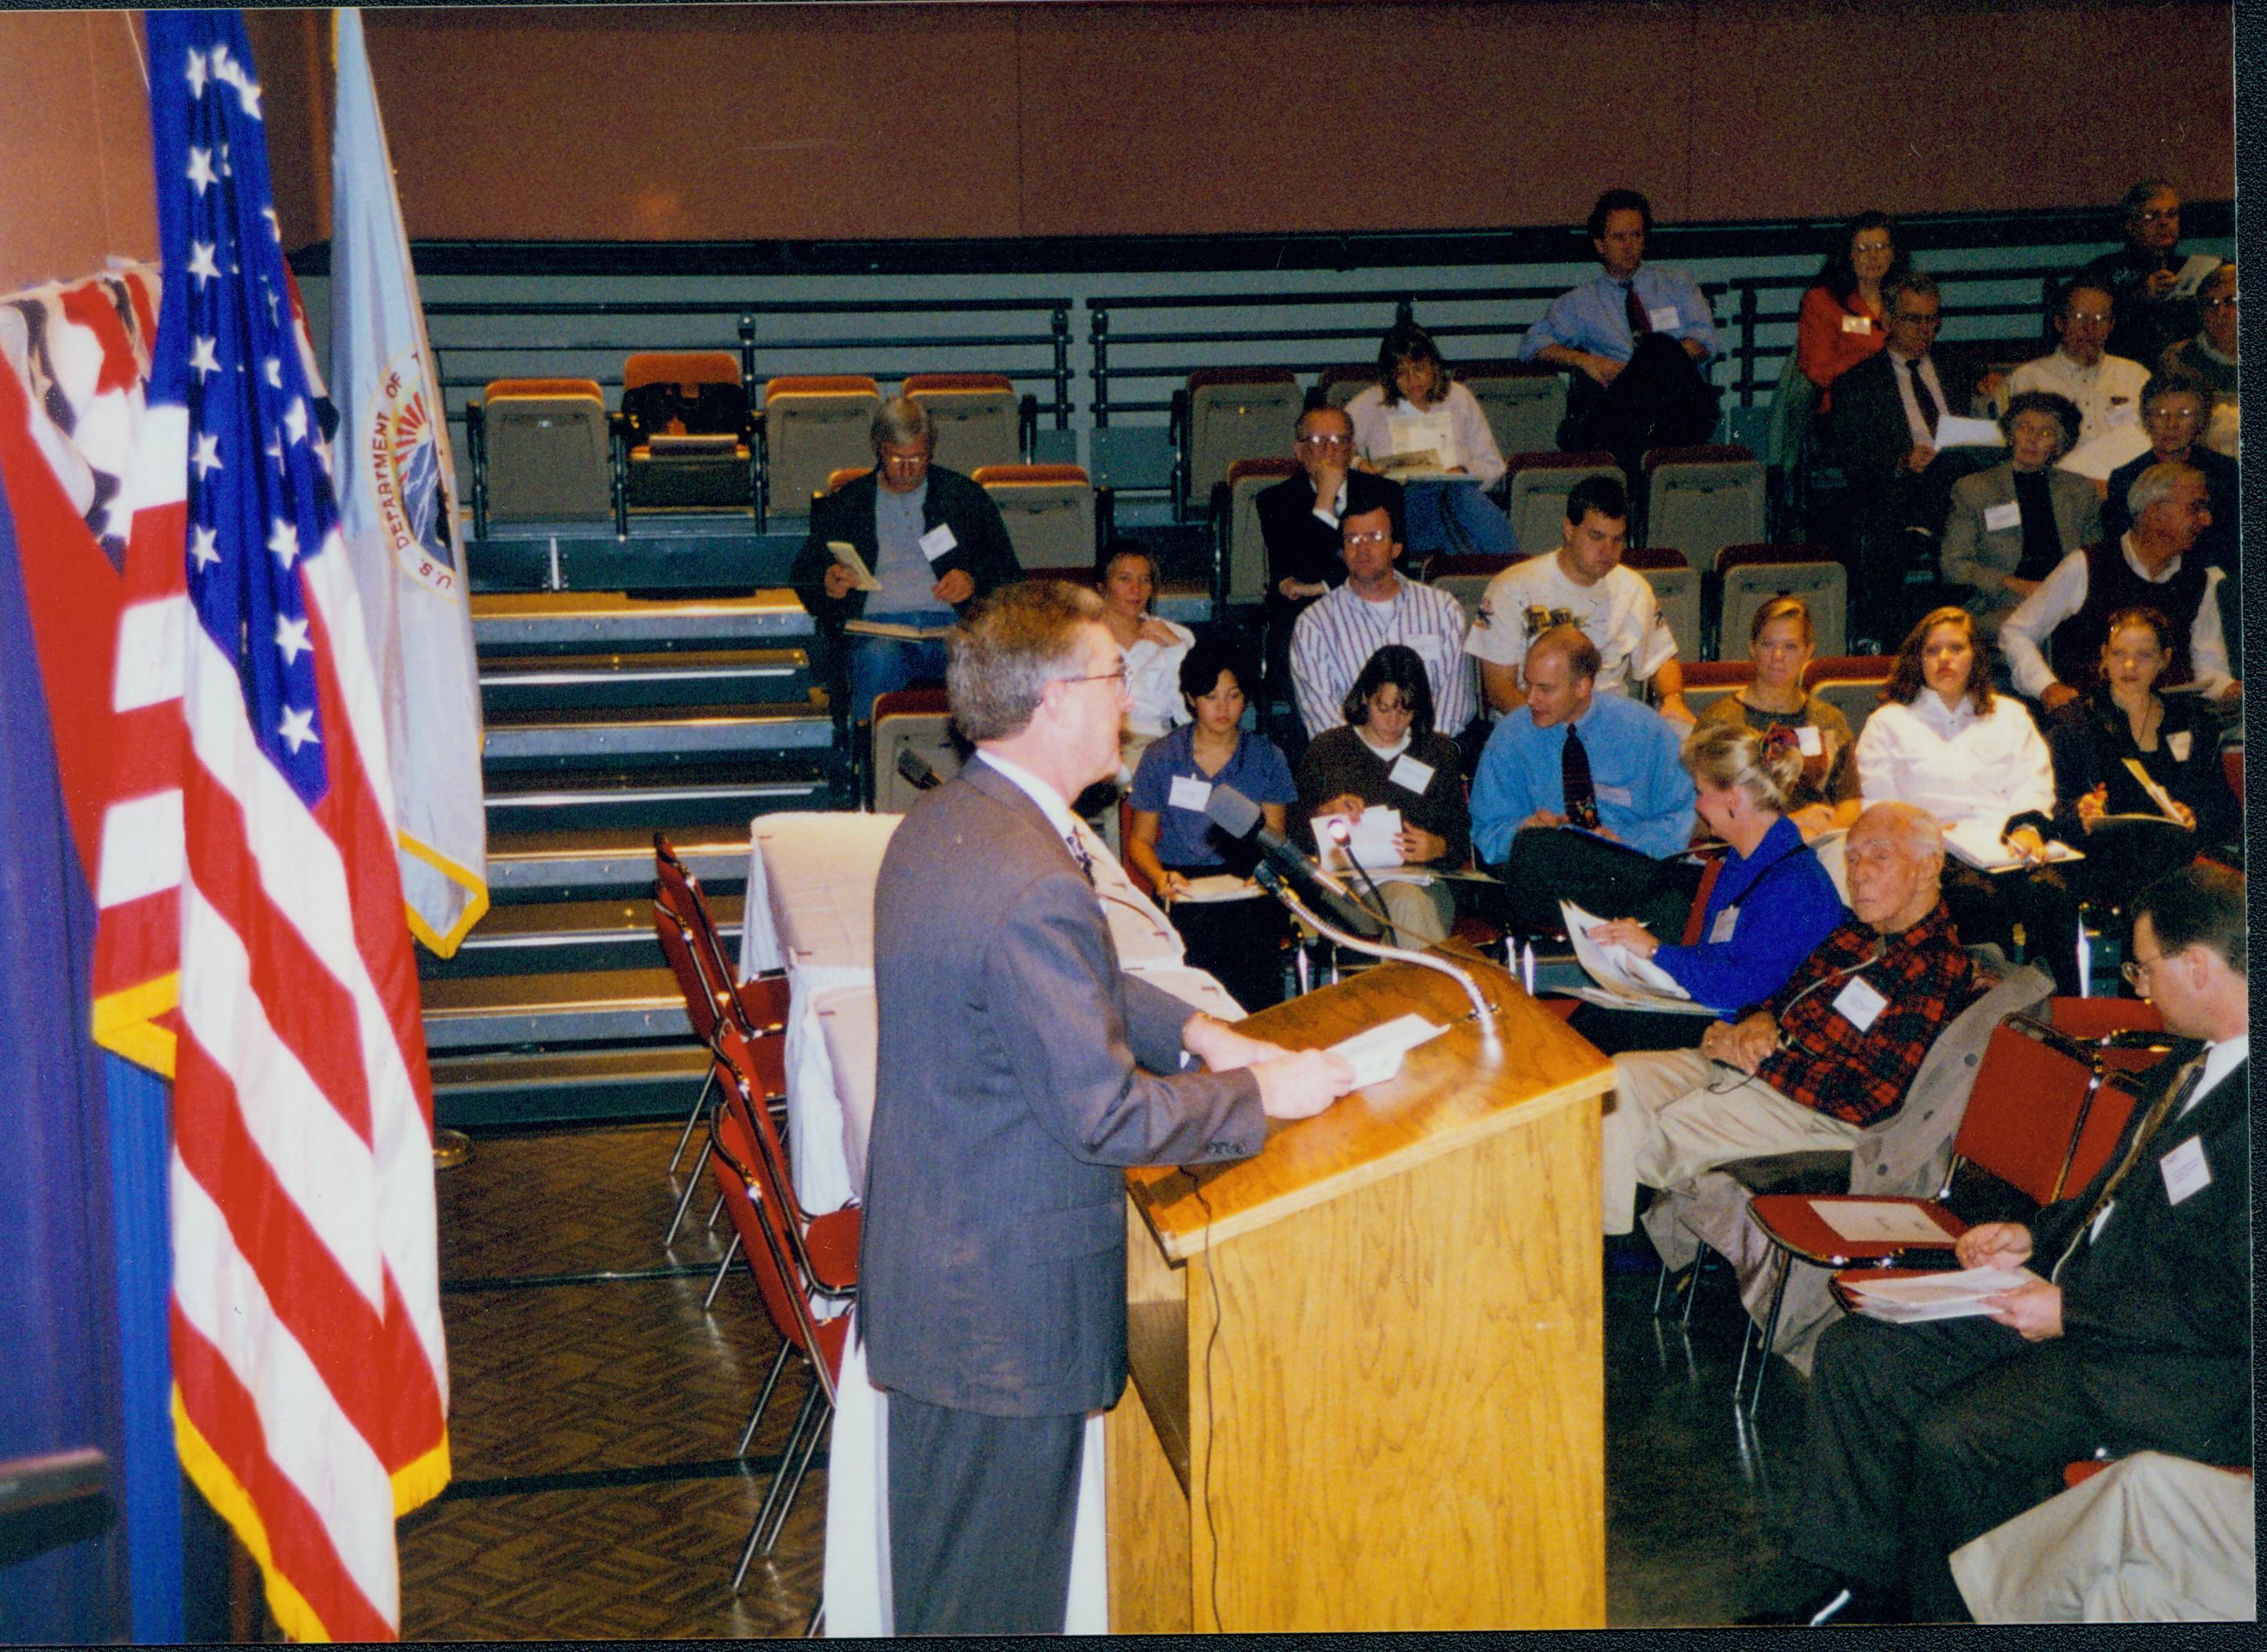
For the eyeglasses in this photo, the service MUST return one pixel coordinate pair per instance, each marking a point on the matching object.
(2173, 415)
(1119, 676)
(1325, 441)
(1373, 536)
(2136, 971)
(2088, 318)
(2228, 303)
(1860, 250)
(2156, 215)
(1911, 320)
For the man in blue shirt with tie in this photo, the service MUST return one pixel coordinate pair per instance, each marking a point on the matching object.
(1636, 339)
(1579, 796)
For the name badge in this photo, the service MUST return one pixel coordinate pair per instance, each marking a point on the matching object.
(1190, 793)
(2007, 516)
(2186, 1170)
(1859, 1004)
(937, 541)
(1810, 741)
(1720, 931)
(1857, 324)
(2119, 413)
(1618, 796)
(1664, 318)
(2177, 744)
(1409, 774)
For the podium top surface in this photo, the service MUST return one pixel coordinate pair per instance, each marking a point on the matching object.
(1450, 1092)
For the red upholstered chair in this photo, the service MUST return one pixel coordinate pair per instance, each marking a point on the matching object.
(2027, 1115)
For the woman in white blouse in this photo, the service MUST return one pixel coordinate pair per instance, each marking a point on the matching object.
(1154, 647)
(1943, 741)
(1414, 409)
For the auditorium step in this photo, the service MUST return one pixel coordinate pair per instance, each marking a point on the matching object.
(532, 1011)
(646, 679)
(703, 796)
(558, 736)
(613, 861)
(474, 1092)
(584, 621)
(551, 937)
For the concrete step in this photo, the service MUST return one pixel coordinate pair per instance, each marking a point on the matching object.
(610, 861)
(550, 938)
(646, 680)
(639, 803)
(529, 1012)
(546, 1087)
(586, 621)
(556, 735)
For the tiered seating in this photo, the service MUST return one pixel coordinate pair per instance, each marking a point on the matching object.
(1754, 573)
(1339, 385)
(1225, 414)
(1701, 499)
(687, 434)
(1707, 681)
(1466, 577)
(915, 720)
(1677, 588)
(1049, 510)
(976, 416)
(540, 452)
(1851, 683)
(814, 424)
(1540, 483)
(1522, 401)
(1242, 549)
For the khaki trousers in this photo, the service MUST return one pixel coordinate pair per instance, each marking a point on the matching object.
(2153, 1538)
(1664, 1124)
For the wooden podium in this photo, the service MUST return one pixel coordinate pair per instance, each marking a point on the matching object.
(1367, 1374)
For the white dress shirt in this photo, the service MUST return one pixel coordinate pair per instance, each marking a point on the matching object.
(1916, 420)
(2023, 633)
(1964, 769)
(2108, 394)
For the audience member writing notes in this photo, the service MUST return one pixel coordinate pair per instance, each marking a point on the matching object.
(1624, 981)
(1960, 1295)
(1376, 1053)
(1370, 840)
(1421, 441)
(1979, 845)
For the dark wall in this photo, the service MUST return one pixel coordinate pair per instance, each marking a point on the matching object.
(817, 122)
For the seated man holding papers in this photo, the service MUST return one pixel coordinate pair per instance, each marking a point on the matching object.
(2130, 1331)
(922, 544)
(1831, 1051)
(1581, 797)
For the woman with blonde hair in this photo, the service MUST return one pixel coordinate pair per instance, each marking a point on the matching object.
(1781, 643)
(1771, 905)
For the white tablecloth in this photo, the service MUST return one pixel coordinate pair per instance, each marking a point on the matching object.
(809, 909)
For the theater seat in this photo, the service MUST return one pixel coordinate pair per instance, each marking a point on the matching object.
(814, 425)
(975, 416)
(1236, 521)
(1224, 414)
(1704, 499)
(1677, 590)
(1540, 483)
(1049, 511)
(541, 451)
(1522, 401)
(1753, 575)
(686, 431)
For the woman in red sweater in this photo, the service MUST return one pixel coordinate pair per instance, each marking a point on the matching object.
(1841, 321)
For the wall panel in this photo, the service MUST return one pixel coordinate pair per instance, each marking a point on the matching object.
(74, 146)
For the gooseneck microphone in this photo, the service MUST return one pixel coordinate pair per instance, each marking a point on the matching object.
(1238, 816)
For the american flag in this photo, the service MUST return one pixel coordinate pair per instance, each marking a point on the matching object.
(251, 932)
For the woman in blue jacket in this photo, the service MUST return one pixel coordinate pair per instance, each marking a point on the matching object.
(1772, 904)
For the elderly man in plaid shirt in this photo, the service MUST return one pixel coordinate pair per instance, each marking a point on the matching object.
(1831, 1053)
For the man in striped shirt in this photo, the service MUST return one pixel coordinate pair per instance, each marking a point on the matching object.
(1335, 637)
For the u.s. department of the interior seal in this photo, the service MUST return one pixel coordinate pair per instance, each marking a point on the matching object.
(407, 465)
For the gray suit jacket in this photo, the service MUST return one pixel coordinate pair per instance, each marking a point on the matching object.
(992, 1273)
(1982, 558)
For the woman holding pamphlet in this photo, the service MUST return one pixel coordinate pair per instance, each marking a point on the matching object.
(1780, 643)
(1769, 907)
(1234, 931)
(1943, 741)
(1418, 426)
(2137, 778)
(1390, 756)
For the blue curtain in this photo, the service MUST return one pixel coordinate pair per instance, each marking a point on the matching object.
(79, 1197)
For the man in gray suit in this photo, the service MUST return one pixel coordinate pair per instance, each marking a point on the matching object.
(1010, 1089)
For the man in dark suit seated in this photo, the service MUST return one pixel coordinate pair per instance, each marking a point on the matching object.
(1018, 1072)
(2132, 1334)
(1881, 431)
(1299, 520)
(934, 539)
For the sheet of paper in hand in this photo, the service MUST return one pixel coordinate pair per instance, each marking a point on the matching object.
(1371, 839)
(1375, 1052)
(1624, 981)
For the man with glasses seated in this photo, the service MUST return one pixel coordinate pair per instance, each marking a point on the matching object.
(2141, 277)
(2175, 410)
(1336, 635)
(2133, 1332)
(1882, 432)
(1299, 518)
(2106, 387)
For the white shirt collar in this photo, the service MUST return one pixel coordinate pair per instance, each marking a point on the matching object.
(1400, 585)
(2132, 561)
(1945, 720)
(1049, 801)
(2071, 365)
(2220, 1059)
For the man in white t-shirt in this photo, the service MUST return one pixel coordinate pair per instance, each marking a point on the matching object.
(1582, 583)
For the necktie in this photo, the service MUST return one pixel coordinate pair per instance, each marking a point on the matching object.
(1932, 410)
(1078, 853)
(1574, 780)
(2167, 1105)
(1633, 307)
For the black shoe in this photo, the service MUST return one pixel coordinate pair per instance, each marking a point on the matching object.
(1840, 1603)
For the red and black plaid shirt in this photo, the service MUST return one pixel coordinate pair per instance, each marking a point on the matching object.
(1824, 1061)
